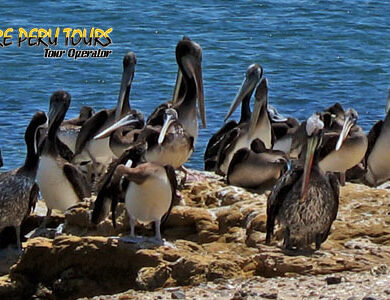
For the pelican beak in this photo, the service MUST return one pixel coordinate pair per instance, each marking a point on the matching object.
(261, 99)
(123, 105)
(122, 122)
(167, 123)
(247, 87)
(348, 123)
(179, 80)
(311, 148)
(194, 66)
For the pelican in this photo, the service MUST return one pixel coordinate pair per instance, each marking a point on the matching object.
(305, 199)
(61, 183)
(377, 161)
(346, 148)
(99, 151)
(149, 195)
(256, 168)
(259, 127)
(252, 78)
(18, 190)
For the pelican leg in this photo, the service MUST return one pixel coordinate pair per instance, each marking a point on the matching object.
(44, 222)
(318, 240)
(342, 178)
(158, 232)
(132, 227)
(287, 242)
(185, 171)
(19, 244)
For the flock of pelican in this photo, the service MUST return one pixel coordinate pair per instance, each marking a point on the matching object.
(120, 157)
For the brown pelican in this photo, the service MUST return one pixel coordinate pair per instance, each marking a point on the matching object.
(18, 190)
(305, 199)
(256, 168)
(252, 78)
(149, 193)
(377, 160)
(345, 148)
(87, 148)
(61, 183)
(259, 127)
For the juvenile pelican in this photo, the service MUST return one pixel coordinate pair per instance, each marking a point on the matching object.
(252, 78)
(305, 199)
(377, 159)
(61, 183)
(149, 193)
(18, 190)
(256, 168)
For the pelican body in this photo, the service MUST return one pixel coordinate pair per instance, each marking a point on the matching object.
(256, 168)
(377, 159)
(61, 184)
(18, 190)
(305, 200)
(346, 148)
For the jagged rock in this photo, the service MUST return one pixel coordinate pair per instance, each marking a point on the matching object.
(216, 232)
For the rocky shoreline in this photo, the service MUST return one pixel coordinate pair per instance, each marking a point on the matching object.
(215, 242)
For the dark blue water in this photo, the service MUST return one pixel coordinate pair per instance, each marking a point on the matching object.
(313, 53)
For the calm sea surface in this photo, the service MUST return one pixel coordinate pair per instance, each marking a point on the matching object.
(314, 53)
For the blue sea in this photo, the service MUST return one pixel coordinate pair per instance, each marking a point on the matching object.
(314, 53)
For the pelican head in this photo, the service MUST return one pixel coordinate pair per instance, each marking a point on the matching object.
(170, 116)
(252, 78)
(314, 127)
(123, 105)
(350, 119)
(189, 59)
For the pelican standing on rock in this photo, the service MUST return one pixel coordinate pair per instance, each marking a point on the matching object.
(305, 200)
(377, 159)
(18, 190)
(252, 78)
(61, 184)
(149, 194)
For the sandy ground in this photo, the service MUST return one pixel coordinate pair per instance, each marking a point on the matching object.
(352, 286)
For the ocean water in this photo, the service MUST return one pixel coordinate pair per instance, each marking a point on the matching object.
(314, 53)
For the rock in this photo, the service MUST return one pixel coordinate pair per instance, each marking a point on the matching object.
(178, 295)
(149, 278)
(333, 280)
(269, 295)
(369, 298)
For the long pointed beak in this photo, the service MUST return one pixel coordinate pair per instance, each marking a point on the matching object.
(124, 92)
(348, 123)
(247, 86)
(165, 128)
(195, 68)
(179, 80)
(311, 147)
(122, 122)
(261, 100)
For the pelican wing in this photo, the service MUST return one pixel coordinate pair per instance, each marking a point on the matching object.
(278, 196)
(372, 137)
(77, 180)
